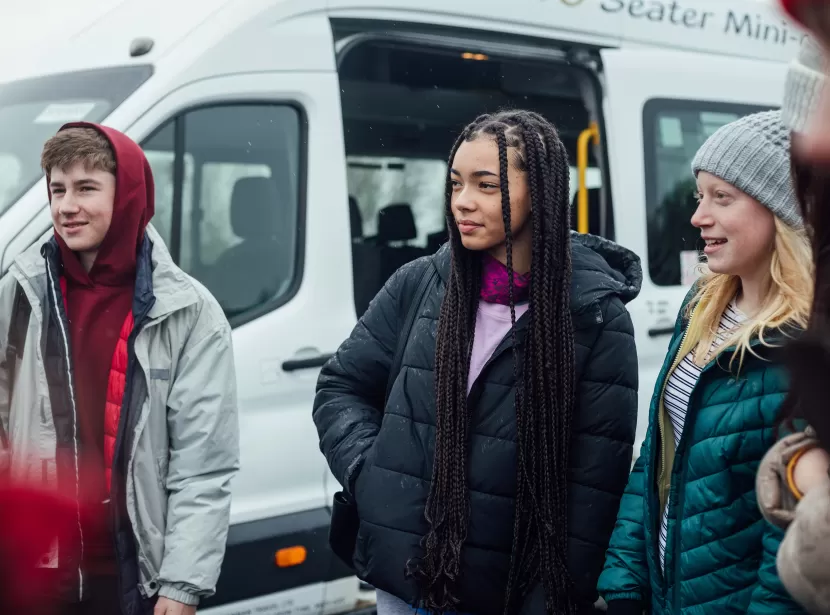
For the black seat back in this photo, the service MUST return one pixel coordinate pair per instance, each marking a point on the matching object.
(396, 225)
(594, 205)
(254, 270)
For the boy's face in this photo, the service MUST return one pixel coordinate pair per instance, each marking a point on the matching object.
(82, 203)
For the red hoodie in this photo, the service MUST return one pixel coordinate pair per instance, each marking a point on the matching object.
(97, 304)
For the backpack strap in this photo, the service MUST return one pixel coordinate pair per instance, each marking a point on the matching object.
(426, 280)
(15, 344)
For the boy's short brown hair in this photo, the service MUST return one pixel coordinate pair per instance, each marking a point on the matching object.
(73, 145)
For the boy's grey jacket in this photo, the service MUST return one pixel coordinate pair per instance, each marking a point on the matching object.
(181, 445)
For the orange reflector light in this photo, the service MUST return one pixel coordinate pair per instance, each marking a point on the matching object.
(290, 556)
(474, 56)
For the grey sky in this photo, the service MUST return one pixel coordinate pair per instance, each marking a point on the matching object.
(30, 27)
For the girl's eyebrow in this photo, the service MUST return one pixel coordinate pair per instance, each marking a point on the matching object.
(482, 173)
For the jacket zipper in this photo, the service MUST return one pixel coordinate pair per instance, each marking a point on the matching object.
(504, 345)
(121, 458)
(70, 384)
(681, 492)
(662, 427)
(676, 539)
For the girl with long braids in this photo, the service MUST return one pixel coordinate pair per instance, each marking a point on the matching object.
(690, 539)
(487, 477)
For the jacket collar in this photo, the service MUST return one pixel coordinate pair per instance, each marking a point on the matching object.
(172, 288)
(600, 268)
(773, 338)
(160, 284)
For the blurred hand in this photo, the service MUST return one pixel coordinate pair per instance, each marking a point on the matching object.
(31, 520)
(165, 606)
(811, 470)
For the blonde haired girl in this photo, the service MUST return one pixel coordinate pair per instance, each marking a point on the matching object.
(690, 538)
(786, 302)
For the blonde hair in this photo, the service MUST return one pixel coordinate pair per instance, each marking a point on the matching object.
(787, 301)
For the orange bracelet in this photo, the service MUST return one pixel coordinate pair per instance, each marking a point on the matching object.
(791, 472)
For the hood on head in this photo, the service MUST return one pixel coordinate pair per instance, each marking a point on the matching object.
(602, 268)
(803, 86)
(133, 208)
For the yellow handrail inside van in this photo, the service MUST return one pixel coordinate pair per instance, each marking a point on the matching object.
(585, 137)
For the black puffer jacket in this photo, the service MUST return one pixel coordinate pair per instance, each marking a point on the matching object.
(385, 457)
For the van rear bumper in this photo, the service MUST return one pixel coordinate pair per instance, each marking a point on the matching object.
(250, 570)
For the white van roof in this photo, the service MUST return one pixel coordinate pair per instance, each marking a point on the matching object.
(755, 29)
(747, 28)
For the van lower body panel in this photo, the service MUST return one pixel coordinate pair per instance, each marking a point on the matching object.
(250, 569)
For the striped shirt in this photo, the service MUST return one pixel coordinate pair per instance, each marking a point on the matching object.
(679, 388)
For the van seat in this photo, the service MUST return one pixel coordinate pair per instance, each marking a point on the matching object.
(594, 204)
(396, 225)
(365, 261)
(254, 270)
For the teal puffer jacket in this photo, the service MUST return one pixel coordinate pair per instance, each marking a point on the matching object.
(720, 556)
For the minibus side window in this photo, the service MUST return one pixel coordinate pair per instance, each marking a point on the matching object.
(10, 172)
(229, 201)
(673, 132)
(32, 110)
(160, 153)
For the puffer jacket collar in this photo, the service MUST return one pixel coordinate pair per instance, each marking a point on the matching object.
(773, 338)
(601, 268)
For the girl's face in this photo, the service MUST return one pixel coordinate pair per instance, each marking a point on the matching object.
(738, 230)
(476, 198)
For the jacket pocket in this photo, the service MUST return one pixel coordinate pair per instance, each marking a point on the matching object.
(345, 518)
(362, 495)
(360, 481)
(361, 552)
(344, 526)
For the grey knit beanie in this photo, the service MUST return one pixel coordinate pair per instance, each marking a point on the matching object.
(753, 154)
(803, 85)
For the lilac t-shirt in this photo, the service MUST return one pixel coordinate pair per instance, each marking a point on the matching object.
(492, 326)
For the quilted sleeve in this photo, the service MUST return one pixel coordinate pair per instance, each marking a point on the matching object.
(625, 576)
(348, 407)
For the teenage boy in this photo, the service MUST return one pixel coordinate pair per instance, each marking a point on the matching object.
(117, 385)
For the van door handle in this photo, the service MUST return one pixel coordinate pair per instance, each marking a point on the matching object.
(658, 331)
(293, 365)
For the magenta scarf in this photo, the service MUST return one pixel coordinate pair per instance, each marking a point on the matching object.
(495, 283)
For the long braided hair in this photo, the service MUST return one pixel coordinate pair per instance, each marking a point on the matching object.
(544, 376)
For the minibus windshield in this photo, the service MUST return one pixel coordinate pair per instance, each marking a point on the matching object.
(32, 110)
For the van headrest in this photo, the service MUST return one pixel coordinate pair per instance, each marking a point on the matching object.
(355, 219)
(593, 197)
(396, 223)
(255, 208)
